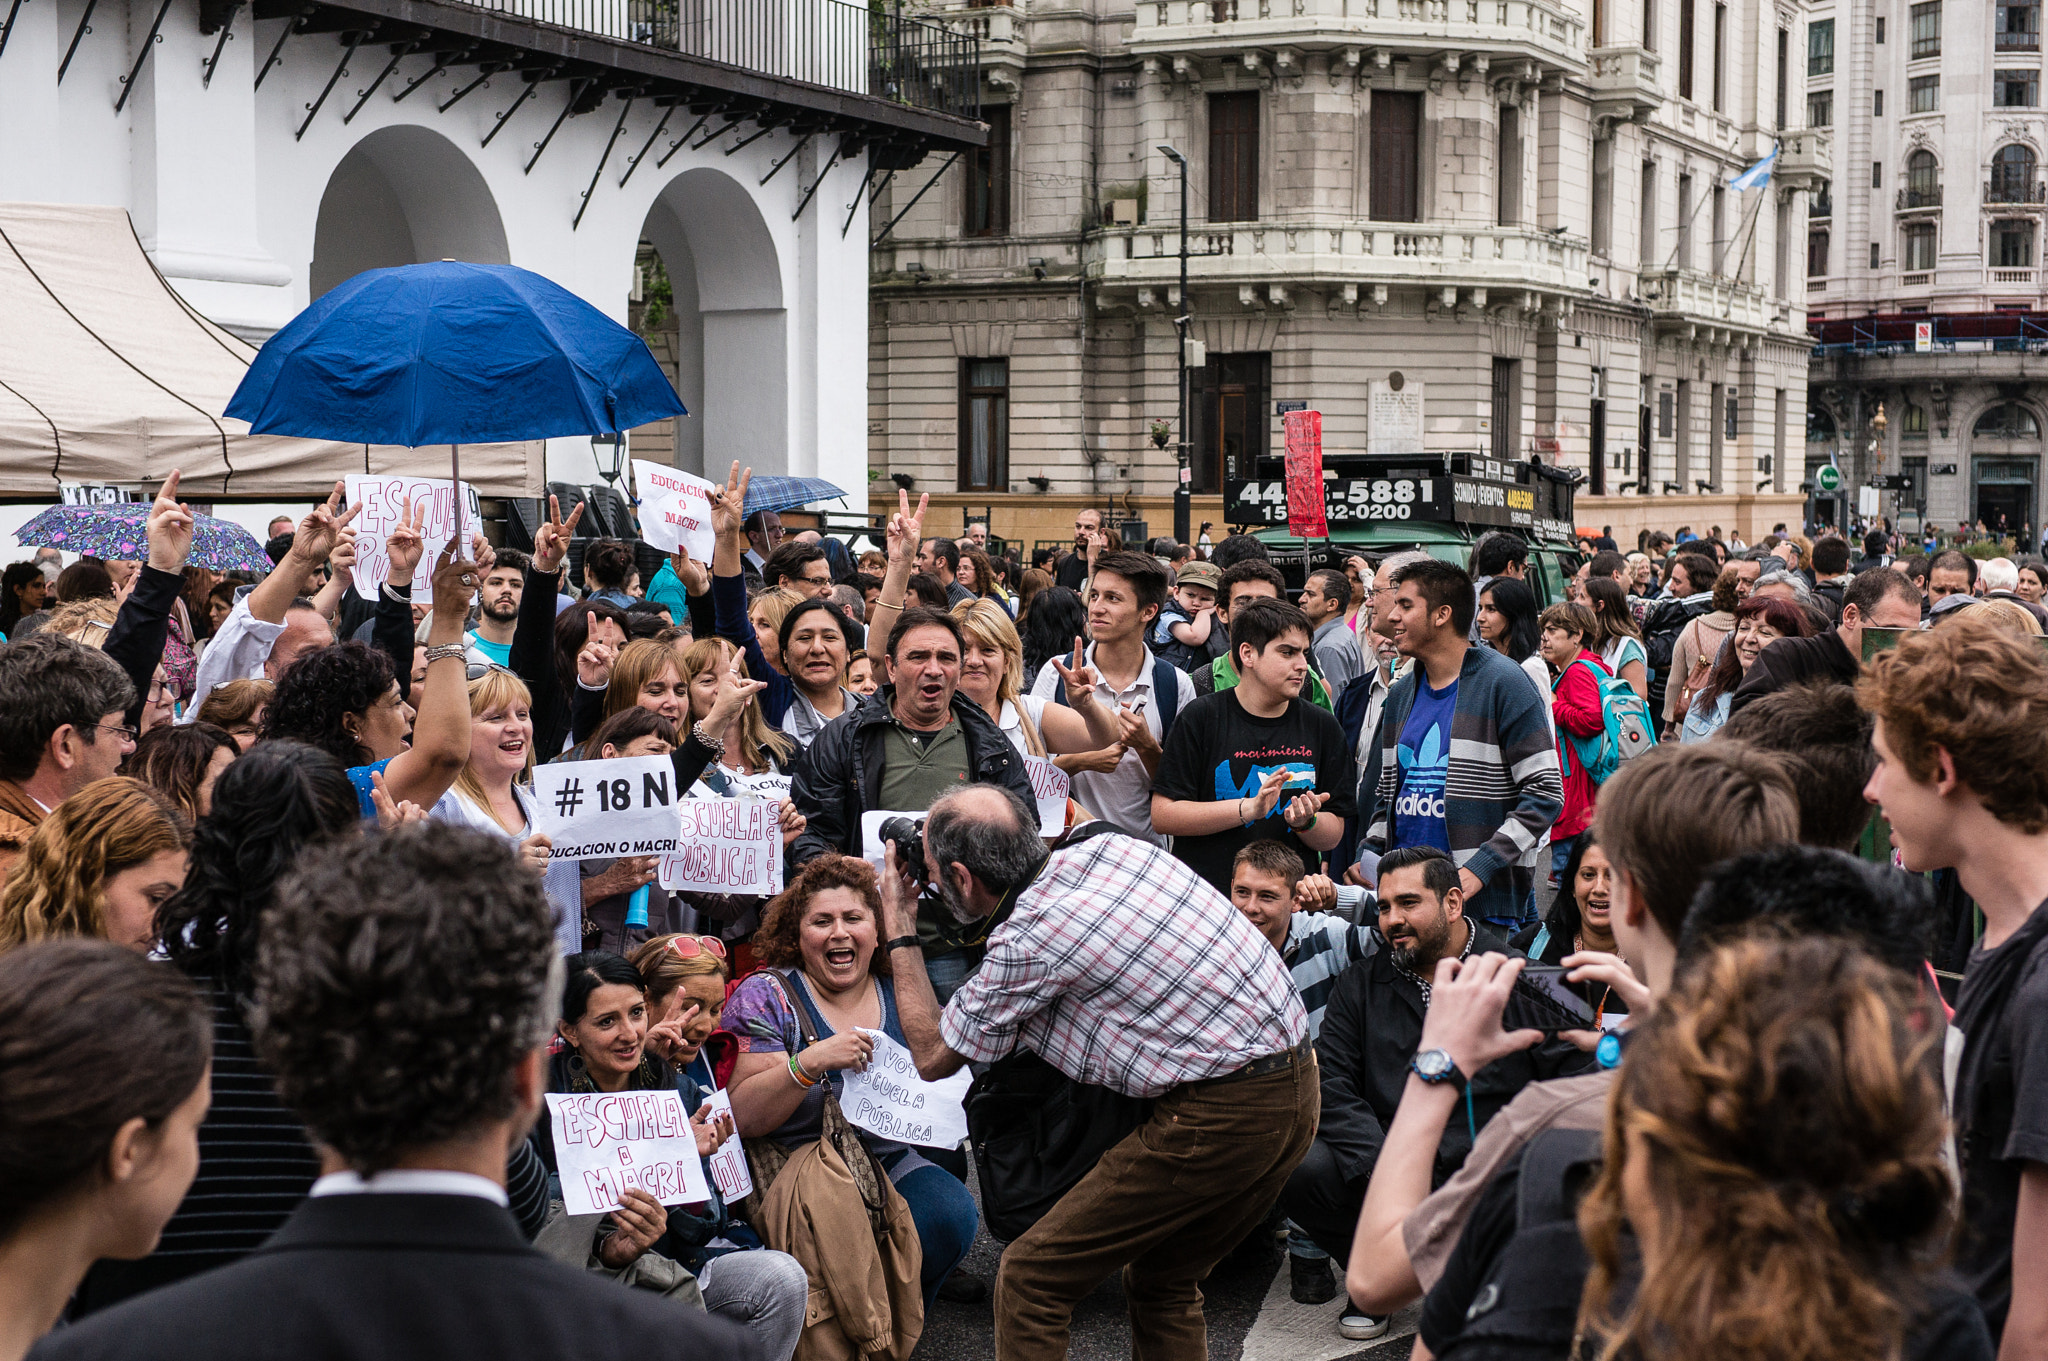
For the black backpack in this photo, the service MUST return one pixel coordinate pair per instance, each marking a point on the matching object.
(1527, 1307)
(1661, 627)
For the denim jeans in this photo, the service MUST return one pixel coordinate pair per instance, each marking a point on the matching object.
(945, 1215)
(1560, 855)
(764, 1292)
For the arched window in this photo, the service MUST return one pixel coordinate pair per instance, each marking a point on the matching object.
(2012, 175)
(1923, 179)
(1820, 426)
(1913, 422)
(2008, 420)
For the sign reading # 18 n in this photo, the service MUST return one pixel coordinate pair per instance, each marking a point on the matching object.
(1350, 500)
(592, 809)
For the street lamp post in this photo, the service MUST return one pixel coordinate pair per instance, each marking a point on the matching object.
(1182, 508)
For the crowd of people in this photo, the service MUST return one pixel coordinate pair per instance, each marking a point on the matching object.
(1543, 960)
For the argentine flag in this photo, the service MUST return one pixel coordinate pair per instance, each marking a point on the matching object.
(1757, 175)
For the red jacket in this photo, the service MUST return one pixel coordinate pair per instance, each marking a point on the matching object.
(1576, 703)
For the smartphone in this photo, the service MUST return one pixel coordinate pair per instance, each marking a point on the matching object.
(1543, 1000)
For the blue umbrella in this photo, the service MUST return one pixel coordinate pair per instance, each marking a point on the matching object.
(451, 353)
(786, 493)
(121, 531)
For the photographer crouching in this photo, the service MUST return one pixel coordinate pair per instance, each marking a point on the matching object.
(1109, 959)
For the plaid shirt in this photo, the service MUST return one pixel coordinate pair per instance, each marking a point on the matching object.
(1120, 968)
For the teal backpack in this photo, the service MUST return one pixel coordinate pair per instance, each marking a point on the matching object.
(1626, 730)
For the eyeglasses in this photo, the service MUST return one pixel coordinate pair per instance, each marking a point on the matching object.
(478, 670)
(121, 730)
(689, 947)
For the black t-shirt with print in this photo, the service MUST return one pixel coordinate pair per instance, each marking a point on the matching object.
(1218, 753)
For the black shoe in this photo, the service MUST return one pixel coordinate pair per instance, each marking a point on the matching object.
(1310, 1280)
(1360, 1326)
(961, 1288)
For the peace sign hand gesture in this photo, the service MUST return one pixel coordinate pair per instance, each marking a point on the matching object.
(594, 662)
(321, 530)
(728, 506)
(1080, 680)
(551, 540)
(905, 531)
(403, 546)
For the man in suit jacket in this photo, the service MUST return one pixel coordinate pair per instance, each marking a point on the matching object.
(405, 986)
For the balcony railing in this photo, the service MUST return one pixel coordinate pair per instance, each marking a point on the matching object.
(1911, 199)
(2019, 42)
(1540, 29)
(879, 51)
(1692, 296)
(1340, 251)
(2003, 189)
(1821, 206)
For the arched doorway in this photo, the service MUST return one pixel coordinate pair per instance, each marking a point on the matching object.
(402, 196)
(725, 332)
(2005, 457)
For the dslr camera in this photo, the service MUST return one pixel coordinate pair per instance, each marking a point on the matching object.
(907, 836)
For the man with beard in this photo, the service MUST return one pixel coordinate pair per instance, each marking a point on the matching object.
(1113, 962)
(1370, 1035)
(497, 603)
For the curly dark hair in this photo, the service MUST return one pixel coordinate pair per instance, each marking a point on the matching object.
(268, 807)
(67, 1088)
(776, 943)
(318, 688)
(402, 980)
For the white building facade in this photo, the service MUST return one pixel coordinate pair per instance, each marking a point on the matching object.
(1498, 225)
(267, 152)
(1925, 256)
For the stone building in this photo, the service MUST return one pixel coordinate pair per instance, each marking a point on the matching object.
(1923, 256)
(1498, 225)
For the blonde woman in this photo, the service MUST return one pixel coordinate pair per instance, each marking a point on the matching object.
(992, 675)
(491, 793)
(644, 674)
(100, 865)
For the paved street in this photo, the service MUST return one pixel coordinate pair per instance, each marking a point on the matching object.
(1250, 1318)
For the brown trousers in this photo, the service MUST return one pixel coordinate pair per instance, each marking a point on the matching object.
(1165, 1205)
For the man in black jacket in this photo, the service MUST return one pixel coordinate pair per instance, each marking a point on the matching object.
(1879, 598)
(404, 991)
(1369, 1037)
(906, 744)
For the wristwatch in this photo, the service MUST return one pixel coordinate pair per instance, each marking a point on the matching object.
(1434, 1066)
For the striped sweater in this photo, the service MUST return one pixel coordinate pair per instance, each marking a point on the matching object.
(1502, 787)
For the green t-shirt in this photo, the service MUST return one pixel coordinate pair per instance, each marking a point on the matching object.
(918, 767)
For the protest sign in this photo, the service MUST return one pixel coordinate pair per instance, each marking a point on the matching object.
(383, 500)
(729, 1164)
(767, 785)
(726, 846)
(592, 809)
(891, 1100)
(1050, 784)
(675, 511)
(871, 830)
(609, 1142)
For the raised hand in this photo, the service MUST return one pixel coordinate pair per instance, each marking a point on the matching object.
(905, 531)
(665, 1037)
(1465, 1004)
(455, 581)
(1315, 893)
(169, 528)
(791, 821)
(342, 560)
(392, 814)
(1079, 678)
(692, 573)
(728, 506)
(535, 851)
(551, 540)
(734, 691)
(403, 546)
(1137, 734)
(1302, 810)
(321, 529)
(594, 662)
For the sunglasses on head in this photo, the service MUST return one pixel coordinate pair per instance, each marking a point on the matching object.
(478, 670)
(688, 947)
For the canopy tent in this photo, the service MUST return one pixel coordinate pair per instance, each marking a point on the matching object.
(108, 376)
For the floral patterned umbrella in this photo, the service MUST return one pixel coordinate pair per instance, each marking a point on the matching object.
(120, 531)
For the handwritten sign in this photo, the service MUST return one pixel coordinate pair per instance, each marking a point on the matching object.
(594, 809)
(892, 1101)
(607, 1143)
(726, 846)
(729, 1163)
(675, 510)
(1050, 784)
(383, 500)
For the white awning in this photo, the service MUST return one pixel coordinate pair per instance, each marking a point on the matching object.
(108, 376)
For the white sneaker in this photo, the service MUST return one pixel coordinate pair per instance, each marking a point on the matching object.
(1360, 1326)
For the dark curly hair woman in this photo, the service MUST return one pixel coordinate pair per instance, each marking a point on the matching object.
(345, 700)
(269, 809)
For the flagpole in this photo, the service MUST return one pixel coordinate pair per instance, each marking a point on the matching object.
(1686, 226)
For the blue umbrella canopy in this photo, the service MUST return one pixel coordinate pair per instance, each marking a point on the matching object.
(786, 493)
(121, 531)
(451, 353)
